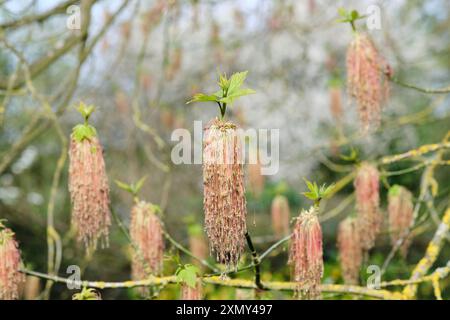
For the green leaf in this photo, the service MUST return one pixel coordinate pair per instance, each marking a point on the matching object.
(327, 190)
(238, 93)
(394, 190)
(236, 81)
(310, 195)
(354, 15)
(224, 83)
(83, 131)
(315, 192)
(201, 97)
(342, 12)
(187, 274)
(309, 184)
(230, 90)
(124, 186)
(85, 110)
(139, 184)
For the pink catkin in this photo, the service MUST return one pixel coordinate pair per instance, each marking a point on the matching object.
(280, 216)
(147, 235)
(10, 276)
(306, 254)
(367, 184)
(224, 192)
(401, 217)
(89, 192)
(350, 251)
(367, 82)
(189, 293)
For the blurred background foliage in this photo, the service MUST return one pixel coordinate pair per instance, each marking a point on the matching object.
(154, 56)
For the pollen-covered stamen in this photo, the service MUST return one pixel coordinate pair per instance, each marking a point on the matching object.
(89, 191)
(147, 236)
(224, 192)
(10, 276)
(306, 254)
(367, 82)
(367, 184)
(280, 216)
(350, 251)
(401, 217)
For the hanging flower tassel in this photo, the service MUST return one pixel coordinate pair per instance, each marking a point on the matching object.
(88, 185)
(401, 216)
(147, 235)
(306, 255)
(224, 192)
(367, 184)
(280, 216)
(367, 82)
(350, 251)
(10, 276)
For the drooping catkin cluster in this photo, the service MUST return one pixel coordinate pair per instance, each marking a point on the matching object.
(306, 254)
(147, 235)
(190, 293)
(89, 191)
(280, 216)
(367, 184)
(10, 276)
(401, 216)
(367, 82)
(224, 192)
(350, 251)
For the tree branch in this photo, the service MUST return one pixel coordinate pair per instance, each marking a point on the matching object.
(236, 283)
(423, 90)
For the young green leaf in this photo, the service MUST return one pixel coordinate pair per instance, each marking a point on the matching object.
(315, 192)
(201, 97)
(394, 190)
(187, 274)
(354, 15)
(85, 110)
(124, 186)
(139, 184)
(238, 93)
(342, 12)
(230, 90)
(83, 131)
